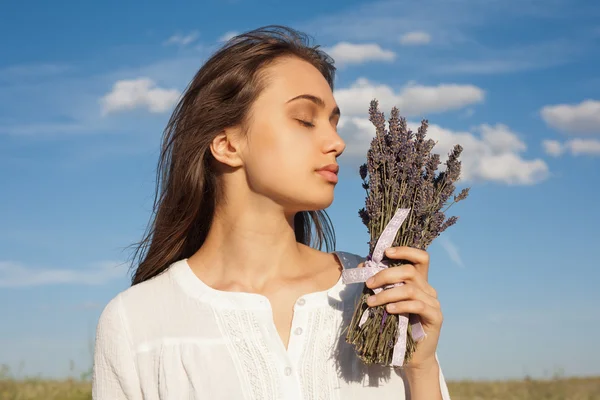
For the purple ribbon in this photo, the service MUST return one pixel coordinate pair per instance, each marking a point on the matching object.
(373, 265)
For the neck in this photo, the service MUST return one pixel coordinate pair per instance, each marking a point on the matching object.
(249, 247)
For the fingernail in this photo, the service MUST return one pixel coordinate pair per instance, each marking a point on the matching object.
(370, 281)
(391, 250)
(371, 299)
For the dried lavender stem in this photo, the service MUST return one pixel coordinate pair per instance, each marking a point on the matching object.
(409, 183)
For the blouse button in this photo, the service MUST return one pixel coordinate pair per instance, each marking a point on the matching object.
(298, 331)
(287, 371)
(301, 302)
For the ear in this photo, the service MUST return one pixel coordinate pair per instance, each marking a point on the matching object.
(226, 147)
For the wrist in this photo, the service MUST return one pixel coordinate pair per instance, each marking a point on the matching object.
(423, 367)
(423, 380)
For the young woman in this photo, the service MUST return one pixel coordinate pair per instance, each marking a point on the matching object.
(233, 298)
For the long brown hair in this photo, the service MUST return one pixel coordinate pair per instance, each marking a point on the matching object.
(219, 96)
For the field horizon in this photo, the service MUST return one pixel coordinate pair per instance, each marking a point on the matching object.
(556, 387)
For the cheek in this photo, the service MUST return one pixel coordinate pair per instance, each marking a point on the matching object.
(280, 165)
(285, 151)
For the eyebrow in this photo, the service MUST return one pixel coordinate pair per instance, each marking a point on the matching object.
(318, 101)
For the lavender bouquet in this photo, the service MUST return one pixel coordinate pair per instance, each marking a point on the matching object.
(402, 184)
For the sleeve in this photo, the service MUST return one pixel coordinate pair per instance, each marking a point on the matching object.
(114, 374)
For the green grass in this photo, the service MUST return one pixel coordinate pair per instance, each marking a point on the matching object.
(526, 389)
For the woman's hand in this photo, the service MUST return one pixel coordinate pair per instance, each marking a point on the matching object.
(416, 296)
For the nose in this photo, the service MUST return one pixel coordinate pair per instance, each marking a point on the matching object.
(335, 144)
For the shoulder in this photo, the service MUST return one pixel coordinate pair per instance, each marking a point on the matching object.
(111, 317)
(140, 302)
(341, 259)
(144, 292)
(348, 259)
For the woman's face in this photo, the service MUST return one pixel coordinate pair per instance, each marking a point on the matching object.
(292, 135)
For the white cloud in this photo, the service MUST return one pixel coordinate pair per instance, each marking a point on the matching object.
(227, 36)
(357, 132)
(486, 66)
(582, 118)
(376, 20)
(574, 146)
(412, 99)
(501, 139)
(493, 155)
(485, 60)
(182, 40)
(584, 146)
(452, 251)
(553, 147)
(13, 274)
(127, 95)
(415, 38)
(490, 152)
(68, 103)
(451, 24)
(345, 53)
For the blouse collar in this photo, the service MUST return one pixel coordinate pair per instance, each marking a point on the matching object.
(183, 275)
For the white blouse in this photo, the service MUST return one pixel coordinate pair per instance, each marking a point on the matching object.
(174, 337)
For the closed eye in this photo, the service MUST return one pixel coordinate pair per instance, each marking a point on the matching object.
(306, 123)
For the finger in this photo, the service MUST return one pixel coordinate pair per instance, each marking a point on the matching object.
(406, 292)
(418, 257)
(428, 314)
(402, 273)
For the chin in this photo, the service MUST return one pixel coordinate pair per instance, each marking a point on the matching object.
(308, 197)
(318, 203)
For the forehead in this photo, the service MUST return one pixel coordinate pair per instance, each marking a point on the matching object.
(291, 77)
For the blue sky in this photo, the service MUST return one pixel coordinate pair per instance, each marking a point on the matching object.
(86, 89)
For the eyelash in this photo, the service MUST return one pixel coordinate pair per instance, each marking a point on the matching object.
(306, 124)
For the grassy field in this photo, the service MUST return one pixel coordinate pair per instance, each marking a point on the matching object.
(556, 389)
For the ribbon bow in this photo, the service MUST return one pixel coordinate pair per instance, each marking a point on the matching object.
(373, 265)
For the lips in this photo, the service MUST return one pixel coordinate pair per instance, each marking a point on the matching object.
(329, 172)
(330, 168)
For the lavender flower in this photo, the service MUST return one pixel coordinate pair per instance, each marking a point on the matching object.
(363, 171)
(364, 216)
(462, 195)
(400, 172)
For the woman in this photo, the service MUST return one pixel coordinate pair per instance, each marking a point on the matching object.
(233, 298)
